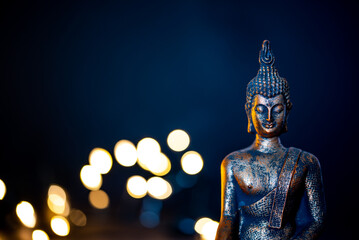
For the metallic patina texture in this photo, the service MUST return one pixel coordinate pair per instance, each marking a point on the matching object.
(284, 180)
(269, 191)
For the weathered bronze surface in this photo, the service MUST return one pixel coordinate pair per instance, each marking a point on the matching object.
(269, 191)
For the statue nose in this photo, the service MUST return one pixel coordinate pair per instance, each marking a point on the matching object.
(269, 117)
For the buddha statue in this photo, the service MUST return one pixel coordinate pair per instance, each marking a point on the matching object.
(269, 191)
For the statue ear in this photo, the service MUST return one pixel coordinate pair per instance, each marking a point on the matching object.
(251, 128)
(285, 126)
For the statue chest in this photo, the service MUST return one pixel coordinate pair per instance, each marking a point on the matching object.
(257, 178)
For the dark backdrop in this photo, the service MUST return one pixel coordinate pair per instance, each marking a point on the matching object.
(82, 74)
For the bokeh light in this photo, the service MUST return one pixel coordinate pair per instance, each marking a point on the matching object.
(39, 235)
(60, 226)
(200, 224)
(2, 189)
(148, 151)
(26, 214)
(78, 218)
(99, 199)
(125, 153)
(57, 200)
(90, 177)
(159, 188)
(67, 209)
(149, 219)
(207, 228)
(152, 205)
(192, 162)
(136, 186)
(101, 160)
(178, 140)
(160, 166)
(186, 225)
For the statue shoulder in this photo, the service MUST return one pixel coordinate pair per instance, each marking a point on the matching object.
(309, 159)
(235, 157)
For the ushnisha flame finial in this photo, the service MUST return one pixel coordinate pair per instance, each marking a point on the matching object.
(266, 56)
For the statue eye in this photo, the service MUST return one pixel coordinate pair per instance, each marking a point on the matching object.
(278, 108)
(260, 109)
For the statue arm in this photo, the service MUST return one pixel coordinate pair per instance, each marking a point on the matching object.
(313, 208)
(227, 223)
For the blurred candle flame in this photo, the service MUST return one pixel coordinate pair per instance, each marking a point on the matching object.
(125, 153)
(99, 199)
(2, 189)
(39, 235)
(159, 188)
(148, 151)
(78, 218)
(60, 226)
(90, 177)
(160, 166)
(100, 159)
(26, 214)
(207, 228)
(57, 200)
(178, 140)
(136, 186)
(192, 162)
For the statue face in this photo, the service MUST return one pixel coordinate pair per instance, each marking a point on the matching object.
(268, 115)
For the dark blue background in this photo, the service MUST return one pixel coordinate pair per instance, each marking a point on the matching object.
(82, 74)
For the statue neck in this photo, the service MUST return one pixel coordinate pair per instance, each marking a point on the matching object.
(267, 145)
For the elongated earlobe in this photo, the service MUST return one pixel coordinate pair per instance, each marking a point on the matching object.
(250, 128)
(285, 126)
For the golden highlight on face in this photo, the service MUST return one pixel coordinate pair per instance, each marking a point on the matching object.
(268, 115)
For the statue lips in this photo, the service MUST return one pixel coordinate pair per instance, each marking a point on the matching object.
(268, 125)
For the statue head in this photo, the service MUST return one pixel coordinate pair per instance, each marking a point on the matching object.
(267, 99)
